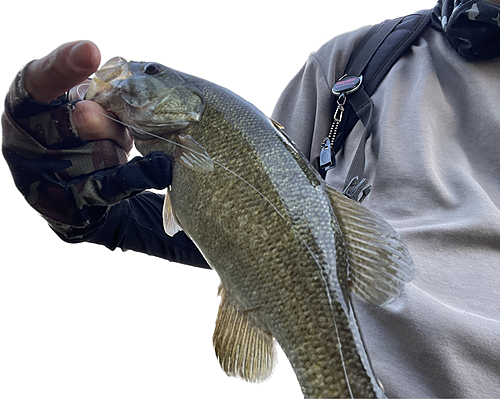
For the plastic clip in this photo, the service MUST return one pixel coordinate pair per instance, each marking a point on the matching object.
(354, 188)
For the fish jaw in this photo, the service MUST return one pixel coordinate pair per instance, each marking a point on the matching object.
(104, 85)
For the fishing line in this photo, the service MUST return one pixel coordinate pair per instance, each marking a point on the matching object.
(277, 211)
(202, 155)
(223, 167)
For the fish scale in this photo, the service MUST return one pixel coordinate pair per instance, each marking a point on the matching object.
(317, 338)
(283, 243)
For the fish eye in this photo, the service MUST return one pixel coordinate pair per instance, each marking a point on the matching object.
(152, 68)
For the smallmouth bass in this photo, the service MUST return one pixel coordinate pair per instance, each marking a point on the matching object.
(289, 250)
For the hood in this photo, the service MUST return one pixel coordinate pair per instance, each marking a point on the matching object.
(471, 27)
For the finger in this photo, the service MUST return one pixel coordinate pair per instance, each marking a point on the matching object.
(65, 67)
(91, 123)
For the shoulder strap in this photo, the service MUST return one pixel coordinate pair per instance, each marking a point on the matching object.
(383, 45)
(370, 61)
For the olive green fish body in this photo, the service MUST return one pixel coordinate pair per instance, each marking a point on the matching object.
(285, 258)
(280, 240)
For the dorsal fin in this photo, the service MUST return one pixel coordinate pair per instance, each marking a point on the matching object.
(379, 263)
(243, 348)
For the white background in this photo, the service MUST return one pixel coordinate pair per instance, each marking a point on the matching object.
(80, 321)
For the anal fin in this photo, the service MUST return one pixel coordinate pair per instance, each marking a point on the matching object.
(243, 348)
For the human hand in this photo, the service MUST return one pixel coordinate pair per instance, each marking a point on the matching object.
(68, 159)
(68, 67)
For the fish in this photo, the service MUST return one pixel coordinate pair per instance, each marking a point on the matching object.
(289, 250)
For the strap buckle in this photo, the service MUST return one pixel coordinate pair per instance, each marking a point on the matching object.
(354, 188)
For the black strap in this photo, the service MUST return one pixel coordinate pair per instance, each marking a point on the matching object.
(373, 58)
(367, 49)
(408, 31)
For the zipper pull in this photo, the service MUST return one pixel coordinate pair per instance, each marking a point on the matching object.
(327, 153)
(344, 86)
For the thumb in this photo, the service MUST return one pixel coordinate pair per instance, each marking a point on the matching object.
(65, 67)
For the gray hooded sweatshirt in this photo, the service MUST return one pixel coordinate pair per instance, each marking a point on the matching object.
(433, 159)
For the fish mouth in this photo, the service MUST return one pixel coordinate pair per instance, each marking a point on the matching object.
(107, 78)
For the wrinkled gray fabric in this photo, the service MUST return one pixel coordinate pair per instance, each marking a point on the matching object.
(434, 161)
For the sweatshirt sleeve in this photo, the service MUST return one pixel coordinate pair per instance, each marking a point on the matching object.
(305, 107)
(135, 224)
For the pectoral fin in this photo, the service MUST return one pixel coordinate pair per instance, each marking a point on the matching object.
(243, 348)
(192, 154)
(170, 224)
(380, 264)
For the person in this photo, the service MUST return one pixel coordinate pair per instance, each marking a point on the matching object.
(432, 159)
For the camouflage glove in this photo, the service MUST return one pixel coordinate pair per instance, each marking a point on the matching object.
(71, 182)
